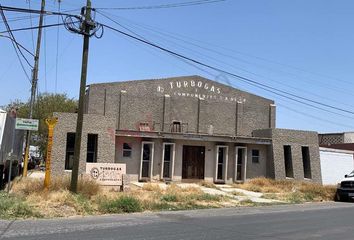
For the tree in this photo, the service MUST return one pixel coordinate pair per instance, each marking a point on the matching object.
(46, 104)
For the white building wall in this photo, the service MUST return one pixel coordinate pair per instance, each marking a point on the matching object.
(349, 137)
(335, 164)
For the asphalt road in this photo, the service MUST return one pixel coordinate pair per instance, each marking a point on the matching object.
(307, 221)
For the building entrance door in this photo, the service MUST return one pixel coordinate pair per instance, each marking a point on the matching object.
(193, 162)
(240, 164)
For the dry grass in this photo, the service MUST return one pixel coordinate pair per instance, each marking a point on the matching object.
(151, 187)
(28, 186)
(290, 190)
(58, 201)
(207, 184)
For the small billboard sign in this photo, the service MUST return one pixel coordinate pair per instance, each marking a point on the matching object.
(27, 124)
(107, 174)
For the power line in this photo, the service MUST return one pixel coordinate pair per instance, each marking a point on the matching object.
(37, 27)
(30, 15)
(24, 10)
(199, 44)
(217, 60)
(45, 55)
(171, 5)
(321, 83)
(247, 80)
(16, 45)
(21, 46)
(314, 117)
(229, 83)
(57, 53)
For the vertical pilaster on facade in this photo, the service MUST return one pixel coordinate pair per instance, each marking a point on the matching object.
(272, 113)
(87, 98)
(104, 101)
(120, 103)
(165, 112)
(238, 118)
(198, 114)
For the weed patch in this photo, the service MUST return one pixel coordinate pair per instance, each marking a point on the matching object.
(124, 204)
(12, 207)
(169, 198)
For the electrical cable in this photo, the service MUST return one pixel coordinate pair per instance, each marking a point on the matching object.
(57, 52)
(15, 45)
(171, 5)
(19, 59)
(314, 117)
(14, 19)
(182, 38)
(23, 10)
(31, 24)
(174, 36)
(37, 27)
(21, 46)
(45, 55)
(247, 80)
(219, 61)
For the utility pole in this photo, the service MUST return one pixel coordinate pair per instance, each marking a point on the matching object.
(86, 26)
(34, 86)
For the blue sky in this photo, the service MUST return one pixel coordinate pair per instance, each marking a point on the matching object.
(303, 47)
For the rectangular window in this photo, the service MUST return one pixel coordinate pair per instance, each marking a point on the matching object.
(69, 152)
(255, 156)
(306, 161)
(91, 155)
(127, 150)
(288, 162)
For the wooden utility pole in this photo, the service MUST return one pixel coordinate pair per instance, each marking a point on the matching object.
(34, 86)
(86, 27)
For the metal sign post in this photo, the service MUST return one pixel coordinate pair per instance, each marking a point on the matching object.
(29, 125)
(51, 122)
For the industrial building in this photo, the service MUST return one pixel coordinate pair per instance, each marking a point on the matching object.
(185, 129)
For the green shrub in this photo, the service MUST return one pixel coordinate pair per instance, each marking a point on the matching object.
(160, 206)
(309, 196)
(12, 207)
(270, 196)
(83, 204)
(169, 198)
(208, 197)
(295, 197)
(124, 204)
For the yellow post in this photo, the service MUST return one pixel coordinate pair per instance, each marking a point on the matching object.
(25, 160)
(51, 122)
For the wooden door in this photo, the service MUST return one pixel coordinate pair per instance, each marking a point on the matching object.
(193, 162)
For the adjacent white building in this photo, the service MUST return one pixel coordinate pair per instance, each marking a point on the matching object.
(335, 163)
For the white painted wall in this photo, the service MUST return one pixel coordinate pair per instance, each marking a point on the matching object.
(349, 137)
(335, 164)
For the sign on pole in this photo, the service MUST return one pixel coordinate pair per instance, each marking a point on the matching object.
(51, 122)
(27, 124)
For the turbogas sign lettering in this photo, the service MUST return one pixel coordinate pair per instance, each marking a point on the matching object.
(107, 174)
(198, 89)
